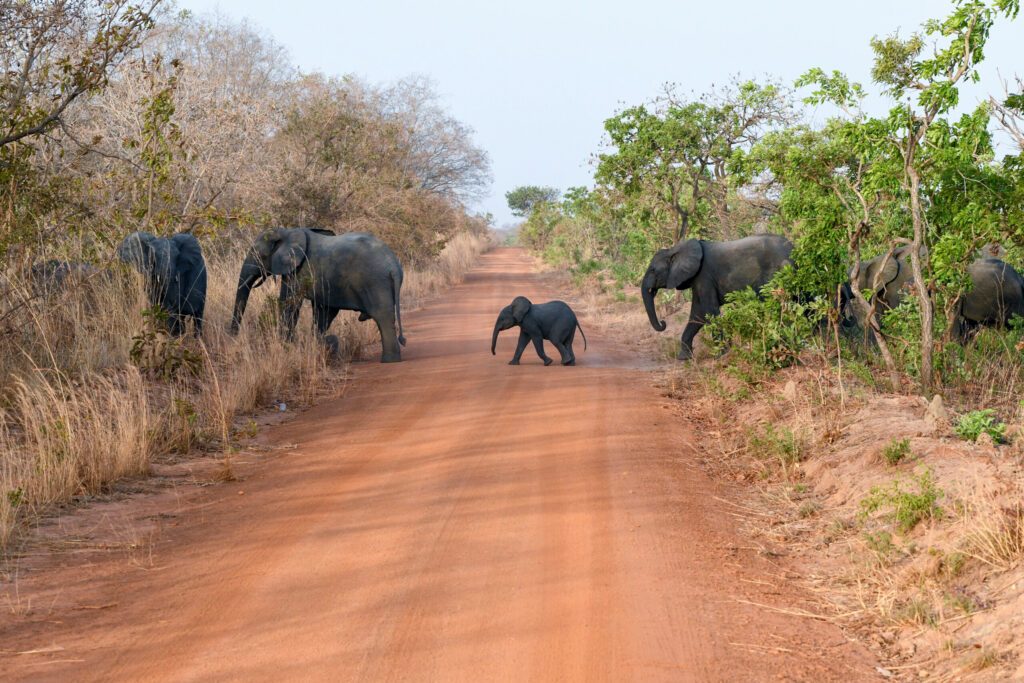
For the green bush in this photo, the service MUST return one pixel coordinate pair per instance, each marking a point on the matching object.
(896, 451)
(973, 424)
(779, 444)
(905, 508)
(768, 332)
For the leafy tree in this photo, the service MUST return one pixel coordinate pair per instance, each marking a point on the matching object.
(525, 198)
(902, 66)
(55, 51)
(52, 54)
(676, 154)
(911, 166)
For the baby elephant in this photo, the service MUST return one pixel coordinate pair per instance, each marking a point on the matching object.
(553, 321)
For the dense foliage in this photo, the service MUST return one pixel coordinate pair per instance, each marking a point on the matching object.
(925, 175)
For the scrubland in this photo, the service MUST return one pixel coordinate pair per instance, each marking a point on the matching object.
(96, 391)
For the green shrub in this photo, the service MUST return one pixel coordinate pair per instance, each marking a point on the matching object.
(973, 424)
(781, 445)
(769, 331)
(905, 508)
(896, 451)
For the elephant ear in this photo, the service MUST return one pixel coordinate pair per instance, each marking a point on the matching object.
(520, 307)
(164, 259)
(189, 257)
(136, 249)
(686, 263)
(877, 273)
(289, 253)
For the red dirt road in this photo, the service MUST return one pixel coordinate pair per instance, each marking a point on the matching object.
(452, 518)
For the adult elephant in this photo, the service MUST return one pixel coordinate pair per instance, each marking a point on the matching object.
(711, 270)
(175, 275)
(55, 276)
(996, 296)
(884, 278)
(352, 272)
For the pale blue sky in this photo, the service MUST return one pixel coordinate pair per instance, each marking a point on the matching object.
(537, 79)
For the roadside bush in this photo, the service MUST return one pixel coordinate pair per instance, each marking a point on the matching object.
(977, 422)
(905, 508)
(896, 452)
(779, 445)
(768, 332)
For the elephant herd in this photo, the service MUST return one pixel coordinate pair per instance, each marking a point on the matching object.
(354, 271)
(713, 269)
(358, 272)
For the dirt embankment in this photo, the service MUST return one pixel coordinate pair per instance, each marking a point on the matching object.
(448, 518)
(914, 536)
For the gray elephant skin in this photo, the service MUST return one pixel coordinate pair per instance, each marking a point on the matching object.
(352, 272)
(886, 277)
(553, 321)
(54, 276)
(711, 270)
(175, 275)
(996, 296)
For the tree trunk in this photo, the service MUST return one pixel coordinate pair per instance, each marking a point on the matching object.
(923, 297)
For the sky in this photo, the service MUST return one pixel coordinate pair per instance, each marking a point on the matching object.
(537, 79)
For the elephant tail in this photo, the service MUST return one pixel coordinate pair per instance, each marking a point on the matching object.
(396, 288)
(582, 335)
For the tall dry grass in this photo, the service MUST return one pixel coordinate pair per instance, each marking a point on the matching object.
(77, 413)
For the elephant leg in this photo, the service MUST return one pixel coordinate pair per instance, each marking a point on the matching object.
(323, 316)
(568, 347)
(175, 325)
(197, 323)
(538, 343)
(564, 352)
(391, 352)
(524, 339)
(964, 330)
(289, 319)
(686, 341)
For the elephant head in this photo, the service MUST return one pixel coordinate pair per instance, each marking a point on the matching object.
(279, 251)
(674, 268)
(510, 316)
(153, 257)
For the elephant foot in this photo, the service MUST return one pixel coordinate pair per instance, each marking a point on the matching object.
(685, 354)
(513, 362)
(569, 362)
(391, 358)
(548, 361)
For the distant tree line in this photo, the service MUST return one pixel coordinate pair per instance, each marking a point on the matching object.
(117, 116)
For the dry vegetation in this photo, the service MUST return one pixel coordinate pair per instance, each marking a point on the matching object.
(115, 118)
(82, 410)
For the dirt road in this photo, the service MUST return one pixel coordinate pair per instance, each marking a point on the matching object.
(452, 518)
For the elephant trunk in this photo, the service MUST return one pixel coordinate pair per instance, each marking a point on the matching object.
(648, 291)
(250, 277)
(494, 337)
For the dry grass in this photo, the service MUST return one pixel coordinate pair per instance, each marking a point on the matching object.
(77, 414)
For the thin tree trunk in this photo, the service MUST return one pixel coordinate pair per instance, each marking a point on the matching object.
(923, 298)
